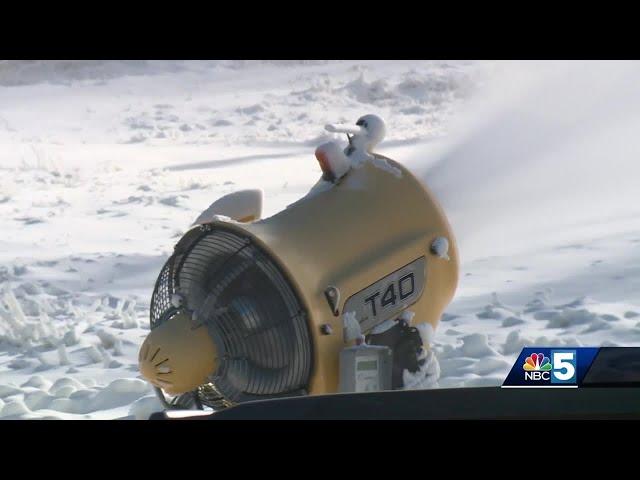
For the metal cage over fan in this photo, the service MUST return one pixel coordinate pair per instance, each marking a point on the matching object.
(256, 321)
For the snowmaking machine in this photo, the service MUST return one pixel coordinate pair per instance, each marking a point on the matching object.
(326, 296)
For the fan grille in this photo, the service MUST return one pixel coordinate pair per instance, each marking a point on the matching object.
(252, 313)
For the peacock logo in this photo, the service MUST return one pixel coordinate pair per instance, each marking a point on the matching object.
(537, 362)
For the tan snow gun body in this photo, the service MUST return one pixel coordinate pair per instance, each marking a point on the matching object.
(376, 220)
(359, 231)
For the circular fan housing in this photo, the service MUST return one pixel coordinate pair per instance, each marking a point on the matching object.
(253, 315)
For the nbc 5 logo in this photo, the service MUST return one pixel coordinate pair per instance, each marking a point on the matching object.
(560, 368)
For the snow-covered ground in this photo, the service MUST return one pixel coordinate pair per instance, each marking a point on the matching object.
(103, 165)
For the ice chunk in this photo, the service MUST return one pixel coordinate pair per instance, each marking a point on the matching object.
(14, 408)
(407, 316)
(514, 343)
(476, 346)
(65, 392)
(117, 347)
(62, 355)
(94, 354)
(37, 381)
(512, 321)
(426, 333)
(427, 374)
(38, 400)
(351, 326)
(8, 390)
(490, 365)
(569, 317)
(65, 383)
(71, 337)
(106, 339)
(142, 408)
(20, 363)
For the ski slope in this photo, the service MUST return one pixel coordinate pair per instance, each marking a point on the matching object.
(103, 165)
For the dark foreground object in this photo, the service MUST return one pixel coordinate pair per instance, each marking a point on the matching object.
(445, 404)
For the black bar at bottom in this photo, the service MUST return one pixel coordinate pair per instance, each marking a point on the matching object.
(444, 404)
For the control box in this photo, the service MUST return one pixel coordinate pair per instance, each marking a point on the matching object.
(365, 368)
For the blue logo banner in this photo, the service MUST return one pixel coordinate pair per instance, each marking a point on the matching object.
(551, 367)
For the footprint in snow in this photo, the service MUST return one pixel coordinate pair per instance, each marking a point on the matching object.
(29, 220)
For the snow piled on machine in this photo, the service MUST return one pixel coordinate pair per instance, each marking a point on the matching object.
(104, 165)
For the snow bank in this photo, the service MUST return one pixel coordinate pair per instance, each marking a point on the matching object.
(27, 72)
(56, 335)
(72, 397)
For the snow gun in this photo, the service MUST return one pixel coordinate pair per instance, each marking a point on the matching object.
(338, 292)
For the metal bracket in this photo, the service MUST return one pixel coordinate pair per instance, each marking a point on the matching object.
(332, 294)
(440, 248)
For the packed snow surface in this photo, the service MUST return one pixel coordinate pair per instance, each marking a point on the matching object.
(103, 165)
